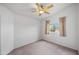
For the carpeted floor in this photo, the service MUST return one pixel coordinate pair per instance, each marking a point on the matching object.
(42, 48)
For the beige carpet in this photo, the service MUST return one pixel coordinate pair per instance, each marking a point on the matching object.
(42, 48)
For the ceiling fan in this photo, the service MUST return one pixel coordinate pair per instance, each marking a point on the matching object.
(40, 9)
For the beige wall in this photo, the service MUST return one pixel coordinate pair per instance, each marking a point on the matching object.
(78, 26)
(0, 34)
(71, 28)
(27, 30)
(7, 30)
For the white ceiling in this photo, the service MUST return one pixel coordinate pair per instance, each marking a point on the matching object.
(26, 8)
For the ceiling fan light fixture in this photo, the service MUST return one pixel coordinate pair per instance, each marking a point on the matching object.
(41, 12)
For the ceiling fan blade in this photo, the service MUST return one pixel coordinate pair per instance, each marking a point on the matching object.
(49, 6)
(39, 6)
(38, 13)
(47, 12)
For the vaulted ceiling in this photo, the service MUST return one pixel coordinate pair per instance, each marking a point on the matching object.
(26, 8)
